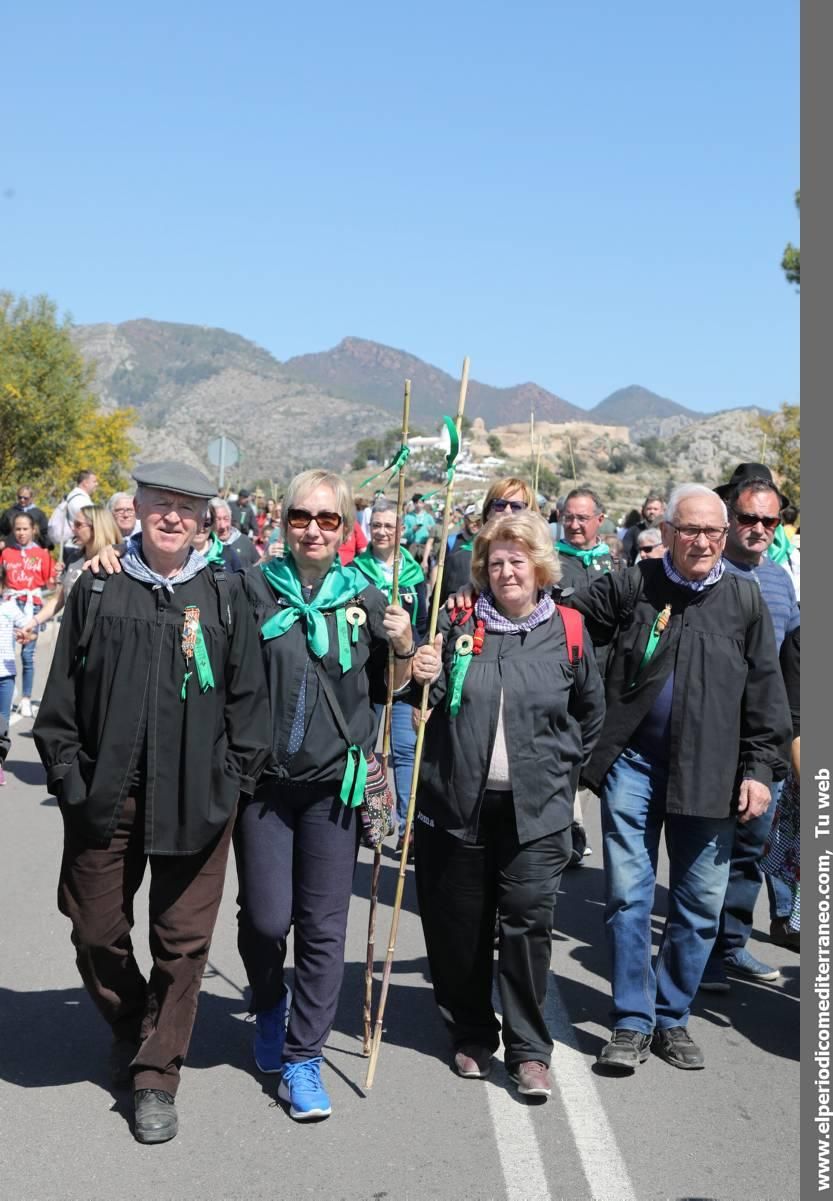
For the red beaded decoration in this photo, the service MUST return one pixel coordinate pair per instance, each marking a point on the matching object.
(479, 637)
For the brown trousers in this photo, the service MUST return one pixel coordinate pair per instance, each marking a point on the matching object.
(96, 890)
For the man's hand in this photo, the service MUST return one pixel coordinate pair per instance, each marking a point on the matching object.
(106, 559)
(464, 599)
(415, 714)
(753, 799)
(428, 662)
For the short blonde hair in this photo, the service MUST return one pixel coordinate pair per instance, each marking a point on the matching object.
(531, 532)
(501, 488)
(308, 481)
(105, 530)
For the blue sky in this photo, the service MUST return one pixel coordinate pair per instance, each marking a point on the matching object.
(586, 194)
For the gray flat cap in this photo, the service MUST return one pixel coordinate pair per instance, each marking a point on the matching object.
(175, 477)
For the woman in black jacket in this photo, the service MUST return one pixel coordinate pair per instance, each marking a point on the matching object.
(517, 707)
(324, 633)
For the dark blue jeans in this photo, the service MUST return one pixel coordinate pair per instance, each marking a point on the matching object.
(650, 995)
(745, 879)
(402, 745)
(299, 848)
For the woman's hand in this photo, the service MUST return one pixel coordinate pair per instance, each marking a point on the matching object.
(428, 662)
(107, 558)
(398, 627)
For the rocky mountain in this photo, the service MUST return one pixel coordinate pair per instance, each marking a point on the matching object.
(190, 383)
(372, 373)
(633, 404)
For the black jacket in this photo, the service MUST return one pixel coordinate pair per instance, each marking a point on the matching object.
(457, 569)
(322, 756)
(575, 575)
(119, 712)
(552, 718)
(729, 714)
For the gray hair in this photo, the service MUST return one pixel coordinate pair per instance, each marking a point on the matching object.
(217, 503)
(116, 497)
(583, 490)
(649, 537)
(382, 505)
(684, 492)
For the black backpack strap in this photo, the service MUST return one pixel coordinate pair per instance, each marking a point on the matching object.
(332, 702)
(89, 620)
(223, 597)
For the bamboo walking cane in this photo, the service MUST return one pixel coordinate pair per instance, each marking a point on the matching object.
(386, 740)
(423, 717)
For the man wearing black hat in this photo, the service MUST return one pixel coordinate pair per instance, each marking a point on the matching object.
(154, 720)
(242, 514)
(754, 505)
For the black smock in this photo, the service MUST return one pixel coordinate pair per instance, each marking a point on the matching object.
(729, 716)
(575, 575)
(119, 715)
(322, 755)
(552, 717)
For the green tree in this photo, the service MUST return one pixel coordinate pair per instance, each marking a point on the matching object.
(495, 445)
(791, 262)
(50, 423)
(782, 449)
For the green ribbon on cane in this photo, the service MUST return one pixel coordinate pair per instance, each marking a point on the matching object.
(451, 457)
(395, 465)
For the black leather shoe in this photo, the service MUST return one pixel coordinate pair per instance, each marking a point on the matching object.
(156, 1119)
(675, 1045)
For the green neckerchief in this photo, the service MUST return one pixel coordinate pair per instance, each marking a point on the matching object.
(340, 585)
(214, 551)
(411, 574)
(780, 547)
(586, 556)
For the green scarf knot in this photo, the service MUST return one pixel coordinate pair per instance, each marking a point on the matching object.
(586, 556)
(214, 552)
(340, 586)
(411, 574)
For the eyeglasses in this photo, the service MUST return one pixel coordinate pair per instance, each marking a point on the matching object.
(750, 519)
(581, 518)
(501, 504)
(124, 512)
(81, 525)
(378, 528)
(690, 533)
(300, 519)
(24, 499)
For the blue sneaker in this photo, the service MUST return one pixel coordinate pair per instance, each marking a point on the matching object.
(270, 1032)
(741, 963)
(301, 1086)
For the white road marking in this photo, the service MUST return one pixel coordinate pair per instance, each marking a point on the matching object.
(603, 1166)
(520, 1155)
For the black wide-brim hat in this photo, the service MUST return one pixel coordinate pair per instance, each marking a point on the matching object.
(750, 471)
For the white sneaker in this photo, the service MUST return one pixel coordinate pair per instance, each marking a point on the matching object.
(25, 707)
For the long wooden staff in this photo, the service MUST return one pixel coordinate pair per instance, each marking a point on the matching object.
(386, 739)
(423, 717)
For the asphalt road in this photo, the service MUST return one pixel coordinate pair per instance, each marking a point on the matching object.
(729, 1132)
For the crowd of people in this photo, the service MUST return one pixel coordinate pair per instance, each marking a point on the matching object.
(219, 681)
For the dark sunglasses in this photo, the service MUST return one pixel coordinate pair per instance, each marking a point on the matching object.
(502, 504)
(300, 519)
(750, 519)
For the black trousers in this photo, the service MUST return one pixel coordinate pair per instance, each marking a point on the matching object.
(460, 886)
(297, 851)
(96, 891)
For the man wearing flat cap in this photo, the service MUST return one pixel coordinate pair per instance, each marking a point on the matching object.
(154, 720)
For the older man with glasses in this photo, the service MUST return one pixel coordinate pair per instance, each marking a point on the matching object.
(25, 504)
(754, 504)
(697, 728)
